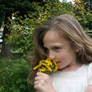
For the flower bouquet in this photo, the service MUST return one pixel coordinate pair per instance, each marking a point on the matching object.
(46, 66)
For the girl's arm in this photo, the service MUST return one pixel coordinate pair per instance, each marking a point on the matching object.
(42, 83)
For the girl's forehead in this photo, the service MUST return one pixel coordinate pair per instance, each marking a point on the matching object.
(53, 36)
(55, 33)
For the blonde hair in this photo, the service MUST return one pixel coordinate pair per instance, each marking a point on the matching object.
(72, 31)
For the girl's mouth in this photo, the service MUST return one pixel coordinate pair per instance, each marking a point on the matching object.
(58, 62)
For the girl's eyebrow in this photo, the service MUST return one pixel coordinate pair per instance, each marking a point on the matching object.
(58, 45)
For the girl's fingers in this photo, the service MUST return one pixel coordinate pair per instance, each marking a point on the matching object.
(41, 78)
(40, 81)
(40, 74)
(36, 82)
(36, 85)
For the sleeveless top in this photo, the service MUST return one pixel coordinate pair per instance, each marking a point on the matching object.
(76, 81)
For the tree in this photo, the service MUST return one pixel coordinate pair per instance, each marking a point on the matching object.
(89, 5)
(7, 7)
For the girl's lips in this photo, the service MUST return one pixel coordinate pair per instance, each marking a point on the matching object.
(57, 62)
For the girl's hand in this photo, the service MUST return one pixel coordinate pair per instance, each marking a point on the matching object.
(42, 83)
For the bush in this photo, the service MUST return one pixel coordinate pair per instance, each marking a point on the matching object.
(13, 76)
(21, 27)
(20, 37)
(19, 40)
(83, 14)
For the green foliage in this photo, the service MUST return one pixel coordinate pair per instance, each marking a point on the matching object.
(9, 6)
(89, 3)
(20, 37)
(13, 76)
(84, 15)
(22, 27)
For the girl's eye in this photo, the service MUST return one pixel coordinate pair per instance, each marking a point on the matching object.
(56, 48)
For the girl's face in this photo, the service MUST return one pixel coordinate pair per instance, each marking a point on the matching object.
(60, 49)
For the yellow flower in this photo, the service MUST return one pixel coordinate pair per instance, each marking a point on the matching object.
(42, 70)
(48, 65)
(49, 68)
(56, 67)
(38, 66)
(47, 61)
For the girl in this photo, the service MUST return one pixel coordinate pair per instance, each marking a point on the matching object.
(63, 39)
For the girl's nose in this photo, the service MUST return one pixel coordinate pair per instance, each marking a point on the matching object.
(51, 55)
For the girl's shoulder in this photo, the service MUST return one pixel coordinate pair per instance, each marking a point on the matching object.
(90, 73)
(90, 68)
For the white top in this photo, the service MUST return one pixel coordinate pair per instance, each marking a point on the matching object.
(76, 81)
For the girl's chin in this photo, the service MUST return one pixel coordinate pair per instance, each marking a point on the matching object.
(63, 68)
(60, 69)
